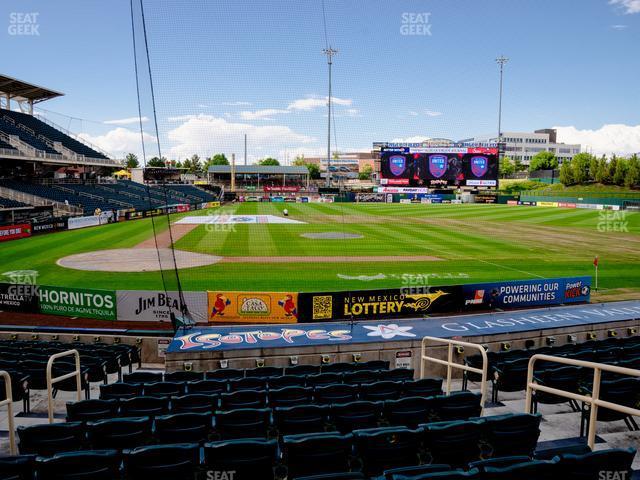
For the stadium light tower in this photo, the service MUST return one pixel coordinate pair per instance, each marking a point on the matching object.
(330, 53)
(501, 60)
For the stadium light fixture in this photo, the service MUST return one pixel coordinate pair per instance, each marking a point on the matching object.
(501, 61)
(330, 53)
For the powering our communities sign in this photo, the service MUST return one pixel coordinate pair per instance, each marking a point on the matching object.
(78, 302)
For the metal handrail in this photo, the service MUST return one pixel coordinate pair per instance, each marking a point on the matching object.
(593, 399)
(8, 401)
(450, 364)
(50, 381)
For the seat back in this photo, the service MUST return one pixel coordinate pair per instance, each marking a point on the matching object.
(183, 428)
(90, 410)
(163, 462)
(249, 459)
(119, 433)
(384, 448)
(49, 439)
(243, 423)
(317, 453)
(85, 465)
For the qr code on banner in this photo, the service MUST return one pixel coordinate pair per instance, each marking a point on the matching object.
(322, 307)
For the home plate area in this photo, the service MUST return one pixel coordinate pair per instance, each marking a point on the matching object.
(235, 219)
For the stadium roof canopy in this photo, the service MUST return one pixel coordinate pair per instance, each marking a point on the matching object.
(14, 89)
(260, 169)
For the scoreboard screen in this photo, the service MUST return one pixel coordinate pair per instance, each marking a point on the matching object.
(439, 167)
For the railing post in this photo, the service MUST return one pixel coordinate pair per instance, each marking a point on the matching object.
(8, 401)
(51, 380)
(593, 414)
(449, 370)
(529, 394)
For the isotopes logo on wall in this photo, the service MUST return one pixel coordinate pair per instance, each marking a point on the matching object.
(254, 307)
(78, 302)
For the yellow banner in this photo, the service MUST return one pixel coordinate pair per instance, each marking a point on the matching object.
(253, 307)
(210, 205)
(547, 204)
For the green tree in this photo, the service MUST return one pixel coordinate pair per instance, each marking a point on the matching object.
(602, 173)
(131, 161)
(156, 162)
(299, 161)
(193, 164)
(314, 170)
(178, 164)
(506, 167)
(633, 173)
(580, 166)
(365, 173)
(611, 167)
(217, 159)
(543, 161)
(269, 161)
(517, 163)
(593, 167)
(567, 175)
(622, 166)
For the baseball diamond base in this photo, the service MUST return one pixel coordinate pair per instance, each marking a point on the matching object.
(136, 260)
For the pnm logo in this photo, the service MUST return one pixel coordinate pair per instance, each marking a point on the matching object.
(423, 301)
(397, 164)
(437, 165)
(477, 299)
(479, 166)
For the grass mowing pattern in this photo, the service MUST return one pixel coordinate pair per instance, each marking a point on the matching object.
(475, 243)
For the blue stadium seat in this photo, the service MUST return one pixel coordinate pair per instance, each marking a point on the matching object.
(511, 434)
(377, 391)
(336, 393)
(194, 403)
(286, 381)
(457, 406)
(300, 419)
(210, 387)
(243, 423)
(451, 475)
(510, 376)
(85, 465)
(179, 461)
(531, 470)
(455, 443)
(315, 454)
(144, 406)
(338, 367)
(398, 374)
(499, 462)
(302, 370)
(589, 465)
(248, 383)
(183, 376)
(250, 459)
(243, 399)
(165, 389)
(335, 476)
(264, 372)
(48, 439)
(120, 390)
(323, 379)
(224, 374)
(384, 448)
(409, 411)
(17, 467)
(566, 378)
(425, 387)
(119, 433)
(625, 391)
(401, 473)
(290, 396)
(90, 410)
(360, 377)
(355, 415)
(183, 428)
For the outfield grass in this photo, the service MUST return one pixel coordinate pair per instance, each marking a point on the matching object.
(474, 243)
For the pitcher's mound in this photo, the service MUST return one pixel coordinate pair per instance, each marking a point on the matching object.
(136, 260)
(331, 236)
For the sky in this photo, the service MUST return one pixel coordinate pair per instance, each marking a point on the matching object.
(405, 70)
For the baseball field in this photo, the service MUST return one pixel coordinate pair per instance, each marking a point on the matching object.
(343, 246)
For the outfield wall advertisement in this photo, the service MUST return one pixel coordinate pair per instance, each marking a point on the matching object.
(157, 306)
(253, 307)
(18, 298)
(387, 303)
(13, 232)
(77, 302)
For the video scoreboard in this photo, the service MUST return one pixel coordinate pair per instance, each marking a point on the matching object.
(439, 167)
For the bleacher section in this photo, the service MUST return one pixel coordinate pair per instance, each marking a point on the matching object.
(8, 203)
(305, 422)
(40, 128)
(113, 196)
(6, 146)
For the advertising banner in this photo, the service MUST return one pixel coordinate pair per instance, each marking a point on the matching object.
(78, 302)
(210, 205)
(156, 306)
(527, 293)
(48, 225)
(253, 307)
(13, 232)
(281, 189)
(90, 221)
(18, 298)
(372, 304)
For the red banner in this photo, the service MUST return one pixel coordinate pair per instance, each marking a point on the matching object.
(13, 232)
(281, 189)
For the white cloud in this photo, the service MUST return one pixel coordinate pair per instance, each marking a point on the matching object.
(236, 104)
(306, 104)
(264, 114)
(206, 134)
(352, 112)
(431, 113)
(414, 139)
(126, 121)
(612, 138)
(628, 6)
(413, 113)
(619, 27)
(119, 142)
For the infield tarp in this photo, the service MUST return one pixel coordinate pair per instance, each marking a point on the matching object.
(78, 302)
(317, 334)
(156, 306)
